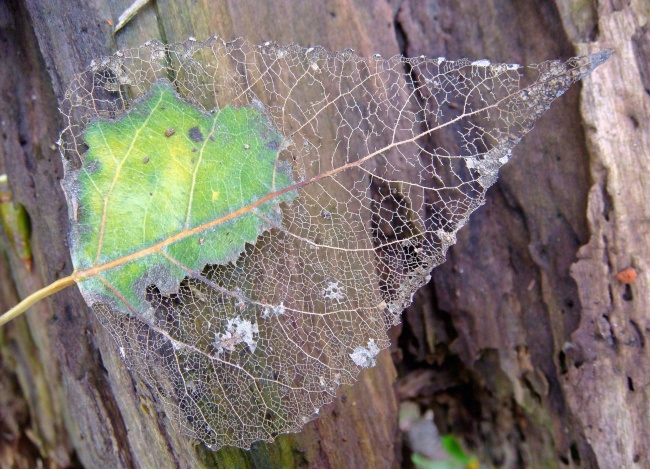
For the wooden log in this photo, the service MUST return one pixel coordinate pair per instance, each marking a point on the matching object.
(114, 421)
(535, 354)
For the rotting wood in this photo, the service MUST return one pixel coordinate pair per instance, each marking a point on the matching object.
(583, 194)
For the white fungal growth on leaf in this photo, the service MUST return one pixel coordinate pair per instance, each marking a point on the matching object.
(481, 63)
(334, 291)
(365, 356)
(277, 310)
(237, 331)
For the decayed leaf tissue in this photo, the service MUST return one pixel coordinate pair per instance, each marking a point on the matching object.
(248, 221)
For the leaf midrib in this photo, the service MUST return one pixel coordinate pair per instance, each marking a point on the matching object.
(81, 275)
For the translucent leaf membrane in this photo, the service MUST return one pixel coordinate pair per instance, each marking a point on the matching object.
(252, 219)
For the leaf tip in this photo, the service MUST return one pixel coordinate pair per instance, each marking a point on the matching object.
(600, 58)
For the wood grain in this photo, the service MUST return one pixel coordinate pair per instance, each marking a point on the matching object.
(525, 345)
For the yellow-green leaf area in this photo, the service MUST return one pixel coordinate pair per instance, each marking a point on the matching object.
(167, 174)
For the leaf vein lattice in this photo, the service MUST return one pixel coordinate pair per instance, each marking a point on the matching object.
(249, 221)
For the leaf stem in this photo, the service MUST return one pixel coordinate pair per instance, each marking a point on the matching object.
(37, 296)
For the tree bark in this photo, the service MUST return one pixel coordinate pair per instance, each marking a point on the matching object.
(551, 345)
(524, 344)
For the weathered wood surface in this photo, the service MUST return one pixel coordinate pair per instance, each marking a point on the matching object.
(544, 330)
(539, 357)
(610, 392)
(112, 421)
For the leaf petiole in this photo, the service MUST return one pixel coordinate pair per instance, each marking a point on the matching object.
(37, 296)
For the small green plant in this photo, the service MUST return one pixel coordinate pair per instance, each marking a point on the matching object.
(458, 458)
(15, 223)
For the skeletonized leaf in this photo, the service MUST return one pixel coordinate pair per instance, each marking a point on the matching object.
(148, 190)
(250, 221)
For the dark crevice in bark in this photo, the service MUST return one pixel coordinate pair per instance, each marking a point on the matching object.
(120, 432)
